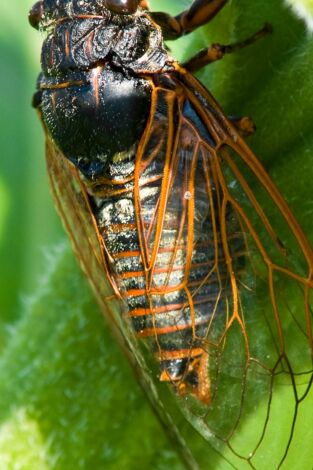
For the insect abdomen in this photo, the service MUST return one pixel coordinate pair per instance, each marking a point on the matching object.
(166, 308)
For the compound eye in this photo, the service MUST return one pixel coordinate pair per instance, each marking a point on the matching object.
(123, 7)
(36, 13)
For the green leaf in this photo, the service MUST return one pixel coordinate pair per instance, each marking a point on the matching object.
(303, 9)
(68, 398)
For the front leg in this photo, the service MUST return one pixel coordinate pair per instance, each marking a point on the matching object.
(198, 14)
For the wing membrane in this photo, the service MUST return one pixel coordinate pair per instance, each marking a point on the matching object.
(73, 204)
(228, 271)
(229, 268)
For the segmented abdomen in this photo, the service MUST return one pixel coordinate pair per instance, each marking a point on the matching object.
(172, 304)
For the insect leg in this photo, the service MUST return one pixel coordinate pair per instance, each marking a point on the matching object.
(244, 125)
(199, 13)
(217, 51)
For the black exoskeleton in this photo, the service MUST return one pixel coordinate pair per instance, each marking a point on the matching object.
(92, 96)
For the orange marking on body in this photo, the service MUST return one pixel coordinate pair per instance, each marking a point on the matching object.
(206, 244)
(157, 271)
(167, 329)
(137, 312)
(126, 254)
(95, 83)
(89, 42)
(163, 290)
(45, 86)
(117, 228)
(165, 376)
(67, 44)
(99, 191)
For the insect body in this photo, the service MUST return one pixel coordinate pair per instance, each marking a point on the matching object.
(158, 166)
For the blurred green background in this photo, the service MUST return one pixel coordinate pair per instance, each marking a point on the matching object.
(28, 221)
(68, 399)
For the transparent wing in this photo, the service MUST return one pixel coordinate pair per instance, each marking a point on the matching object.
(71, 199)
(229, 270)
(266, 341)
(72, 202)
(228, 273)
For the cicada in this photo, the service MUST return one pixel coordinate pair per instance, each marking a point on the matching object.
(192, 251)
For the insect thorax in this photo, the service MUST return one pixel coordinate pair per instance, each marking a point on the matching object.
(92, 99)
